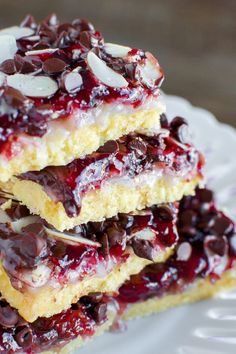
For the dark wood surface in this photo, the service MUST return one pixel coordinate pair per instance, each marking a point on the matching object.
(195, 40)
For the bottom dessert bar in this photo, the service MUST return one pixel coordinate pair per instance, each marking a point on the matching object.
(202, 265)
(43, 271)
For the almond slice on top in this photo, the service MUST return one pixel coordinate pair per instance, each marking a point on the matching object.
(116, 50)
(33, 86)
(17, 32)
(8, 47)
(103, 73)
(69, 237)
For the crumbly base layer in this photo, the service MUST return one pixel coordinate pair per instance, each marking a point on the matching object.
(79, 341)
(102, 203)
(47, 301)
(203, 289)
(63, 144)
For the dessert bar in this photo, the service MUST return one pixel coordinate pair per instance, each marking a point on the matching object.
(43, 271)
(127, 174)
(65, 92)
(202, 265)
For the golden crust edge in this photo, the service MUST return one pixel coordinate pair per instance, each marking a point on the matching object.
(63, 149)
(102, 203)
(204, 289)
(48, 301)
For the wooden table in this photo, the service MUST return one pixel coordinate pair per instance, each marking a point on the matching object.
(195, 40)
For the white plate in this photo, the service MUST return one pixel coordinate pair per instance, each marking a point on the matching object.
(208, 327)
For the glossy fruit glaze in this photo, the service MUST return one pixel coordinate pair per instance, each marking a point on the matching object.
(168, 152)
(65, 48)
(82, 319)
(33, 257)
(206, 248)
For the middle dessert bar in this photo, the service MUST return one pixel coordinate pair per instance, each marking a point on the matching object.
(124, 175)
(43, 271)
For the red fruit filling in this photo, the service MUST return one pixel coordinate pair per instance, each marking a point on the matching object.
(82, 319)
(129, 156)
(64, 59)
(61, 260)
(206, 248)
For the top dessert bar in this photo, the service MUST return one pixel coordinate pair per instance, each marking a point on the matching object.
(64, 92)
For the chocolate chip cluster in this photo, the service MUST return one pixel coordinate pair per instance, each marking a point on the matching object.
(51, 67)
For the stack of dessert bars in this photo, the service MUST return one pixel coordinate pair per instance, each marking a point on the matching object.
(102, 216)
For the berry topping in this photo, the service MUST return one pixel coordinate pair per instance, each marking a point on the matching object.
(129, 156)
(66, 66)
(204, 250)
(33, 254)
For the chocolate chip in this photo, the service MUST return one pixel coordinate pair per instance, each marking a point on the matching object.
(206, 222)
(165, 212)
(143, 249)
(99, 312)
(83, 25)
(24, 337)
(53, 66)
(187, 231)
(116, 236)
(15, 98)
(138, 146)
(64, 27)
(109, 147)
(177, 122)
(8, 67)
(63, 40)
(164, 121)
(52, 20)
(222, 226)
(29, 21)
(126, 220)
(41, 45)
(205, 195)
(17, 211)
(97, 226)
(8, 316)
(85, 39)
(217, 245)
(187, 218)
(103, 239)
(179, 129)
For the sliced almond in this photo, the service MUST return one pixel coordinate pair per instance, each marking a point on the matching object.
(17, 32)
(105, 74)
(8, 47)
(70, 237)
(41, 51)
(184, 251)
(116, 50)
(145, 234)
(33, 86)
(73, 82)
(149, 72)
(18, 225)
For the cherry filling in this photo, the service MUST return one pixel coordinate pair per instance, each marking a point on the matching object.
(206, 248)
(168, 152)
(60, 52)
(36, 255)
(82, 319)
